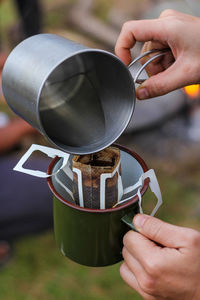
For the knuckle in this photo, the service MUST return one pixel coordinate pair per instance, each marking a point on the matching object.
(153, 268)
(168, 12)
(175, 22)
(127, 239)
(191, 70)
(193, 238)
(156, 87)
(124, 252)
(122, 270)
(126, 25)
(152, 226)
(187, 68)
(148, 284)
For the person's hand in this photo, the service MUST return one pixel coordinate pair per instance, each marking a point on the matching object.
(162, 261)
(174, 30)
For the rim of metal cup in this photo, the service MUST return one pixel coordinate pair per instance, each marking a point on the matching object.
(126, 121)
(108, 210)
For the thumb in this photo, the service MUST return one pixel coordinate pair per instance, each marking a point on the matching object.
(173, 78)
(160, 232)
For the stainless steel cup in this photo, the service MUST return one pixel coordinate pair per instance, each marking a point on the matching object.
(81, 99)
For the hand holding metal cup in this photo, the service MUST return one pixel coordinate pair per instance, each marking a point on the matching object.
(80, 99)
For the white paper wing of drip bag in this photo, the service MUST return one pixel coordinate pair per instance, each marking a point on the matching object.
(51, 152)
(103, 179)
(154, 186)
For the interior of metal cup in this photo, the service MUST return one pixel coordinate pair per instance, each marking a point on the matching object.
(87, 102)
(131, 172)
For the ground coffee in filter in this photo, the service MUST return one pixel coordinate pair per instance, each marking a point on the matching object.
(97, 179)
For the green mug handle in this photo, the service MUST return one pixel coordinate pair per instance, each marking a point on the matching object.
(128, 220)
(154, 186)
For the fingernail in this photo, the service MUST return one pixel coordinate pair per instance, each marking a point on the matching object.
(139, 220)
(142, 93)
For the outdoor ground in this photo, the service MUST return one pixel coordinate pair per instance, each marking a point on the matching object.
(37, 270)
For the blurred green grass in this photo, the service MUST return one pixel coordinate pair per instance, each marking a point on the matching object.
(39, 271)
(8, 17)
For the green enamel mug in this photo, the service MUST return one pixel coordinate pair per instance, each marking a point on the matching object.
(94, 237)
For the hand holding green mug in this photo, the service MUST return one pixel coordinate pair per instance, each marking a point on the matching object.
(171, 270)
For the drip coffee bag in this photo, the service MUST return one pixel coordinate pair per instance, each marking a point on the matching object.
(97, 179)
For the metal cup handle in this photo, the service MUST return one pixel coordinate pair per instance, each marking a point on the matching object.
(160, 53)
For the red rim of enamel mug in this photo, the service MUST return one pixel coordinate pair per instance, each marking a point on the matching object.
(92, 210)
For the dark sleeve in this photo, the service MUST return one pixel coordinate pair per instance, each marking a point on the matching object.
(31, 16)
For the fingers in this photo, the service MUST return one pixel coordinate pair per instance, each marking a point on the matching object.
(129, 277)
(132, 31)
(169, 80)
(170, 13)
(140, 247)
(160, 64)
(125, 42)
(163, 233)
(134, 266)
(172, 29)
